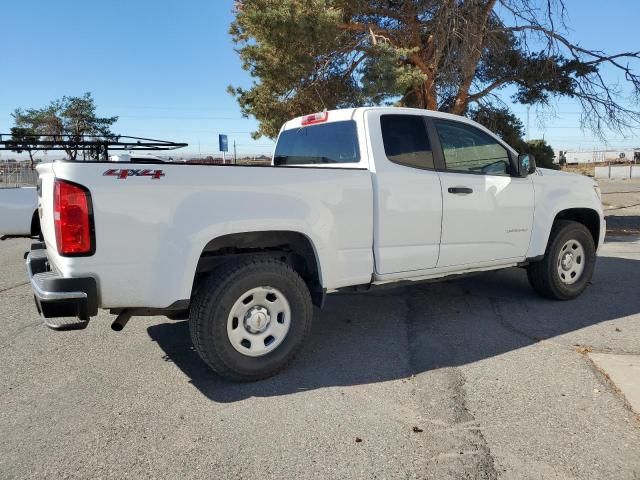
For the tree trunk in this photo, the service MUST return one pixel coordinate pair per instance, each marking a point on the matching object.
(471, 62)
(431, 100)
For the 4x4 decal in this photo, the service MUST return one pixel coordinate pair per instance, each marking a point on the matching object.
(124, 173)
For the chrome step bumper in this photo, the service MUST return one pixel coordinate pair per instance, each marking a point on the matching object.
(65, 303)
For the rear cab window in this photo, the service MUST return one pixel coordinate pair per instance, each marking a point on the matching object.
(321, 144)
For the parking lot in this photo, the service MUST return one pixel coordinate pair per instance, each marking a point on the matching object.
(472, 378)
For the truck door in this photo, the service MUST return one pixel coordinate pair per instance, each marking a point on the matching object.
(487, 212)
(407, 193)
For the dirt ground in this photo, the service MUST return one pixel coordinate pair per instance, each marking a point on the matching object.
(587, 168)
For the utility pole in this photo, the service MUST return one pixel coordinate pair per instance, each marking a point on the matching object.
(235, 156)
(528, 124)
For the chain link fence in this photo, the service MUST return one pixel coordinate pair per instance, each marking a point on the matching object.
(17, 174)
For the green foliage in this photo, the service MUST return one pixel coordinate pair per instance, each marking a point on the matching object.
(502, 122)
(308, 55)
(307, 60)
(292, 47)
(386, 77)
(543, 153)
(72, 116)
(21, 136)
(509, 127)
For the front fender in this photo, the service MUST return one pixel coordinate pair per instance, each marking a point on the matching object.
(557, 193)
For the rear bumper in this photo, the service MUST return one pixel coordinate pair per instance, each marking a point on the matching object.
(74, 298)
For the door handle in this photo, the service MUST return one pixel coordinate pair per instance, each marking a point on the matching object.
(460, 190)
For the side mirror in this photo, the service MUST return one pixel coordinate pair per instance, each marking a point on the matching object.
(526, 164)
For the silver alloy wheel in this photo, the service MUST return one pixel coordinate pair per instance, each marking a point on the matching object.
(571, 261)
(259, 321)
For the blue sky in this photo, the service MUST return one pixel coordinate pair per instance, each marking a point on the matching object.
(163, 67)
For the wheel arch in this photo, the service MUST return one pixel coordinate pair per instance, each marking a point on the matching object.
(292, 247)
(544, 220)
(588, 217)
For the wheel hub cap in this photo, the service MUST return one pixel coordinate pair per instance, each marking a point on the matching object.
(257, 319)
(567, 261)
(571, 262)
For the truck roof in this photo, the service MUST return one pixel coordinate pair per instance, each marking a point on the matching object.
(342, 114)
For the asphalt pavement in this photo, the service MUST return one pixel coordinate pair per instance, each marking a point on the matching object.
(621, 201)
(473, 378)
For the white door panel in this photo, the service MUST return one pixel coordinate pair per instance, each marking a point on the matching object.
(492, 222)
(407, 219)
(407, 207)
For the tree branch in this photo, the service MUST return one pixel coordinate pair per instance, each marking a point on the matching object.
(492, 86)
(575, 49)
(368, 28)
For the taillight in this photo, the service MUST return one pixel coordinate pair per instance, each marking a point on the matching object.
(72, 215)
(315, 118)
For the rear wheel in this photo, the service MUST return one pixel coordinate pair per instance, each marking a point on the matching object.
(250, 318)
(568, 264)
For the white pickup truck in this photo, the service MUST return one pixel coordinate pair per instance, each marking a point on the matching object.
(355, 199)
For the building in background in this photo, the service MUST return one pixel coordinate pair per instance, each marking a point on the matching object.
(574, 157)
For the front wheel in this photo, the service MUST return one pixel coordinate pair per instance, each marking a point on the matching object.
(568, 263)
(250, 318)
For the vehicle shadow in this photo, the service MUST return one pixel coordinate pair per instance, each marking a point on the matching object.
(391, 334)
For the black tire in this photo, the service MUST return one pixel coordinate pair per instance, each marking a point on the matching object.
(36, 230)
(216, 297)
(544, 276)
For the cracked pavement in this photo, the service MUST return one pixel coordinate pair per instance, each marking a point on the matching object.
(495, 377)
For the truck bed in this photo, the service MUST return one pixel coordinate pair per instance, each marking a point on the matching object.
(152, 222)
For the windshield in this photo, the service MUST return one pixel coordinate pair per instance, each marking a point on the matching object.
(335, 142)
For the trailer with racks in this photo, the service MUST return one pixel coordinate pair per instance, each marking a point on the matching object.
(19, 215)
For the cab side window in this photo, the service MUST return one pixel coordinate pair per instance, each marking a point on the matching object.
(405, 140)
(469, 150)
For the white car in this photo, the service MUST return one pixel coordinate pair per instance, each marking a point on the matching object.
(355, 199)
(19, 212)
